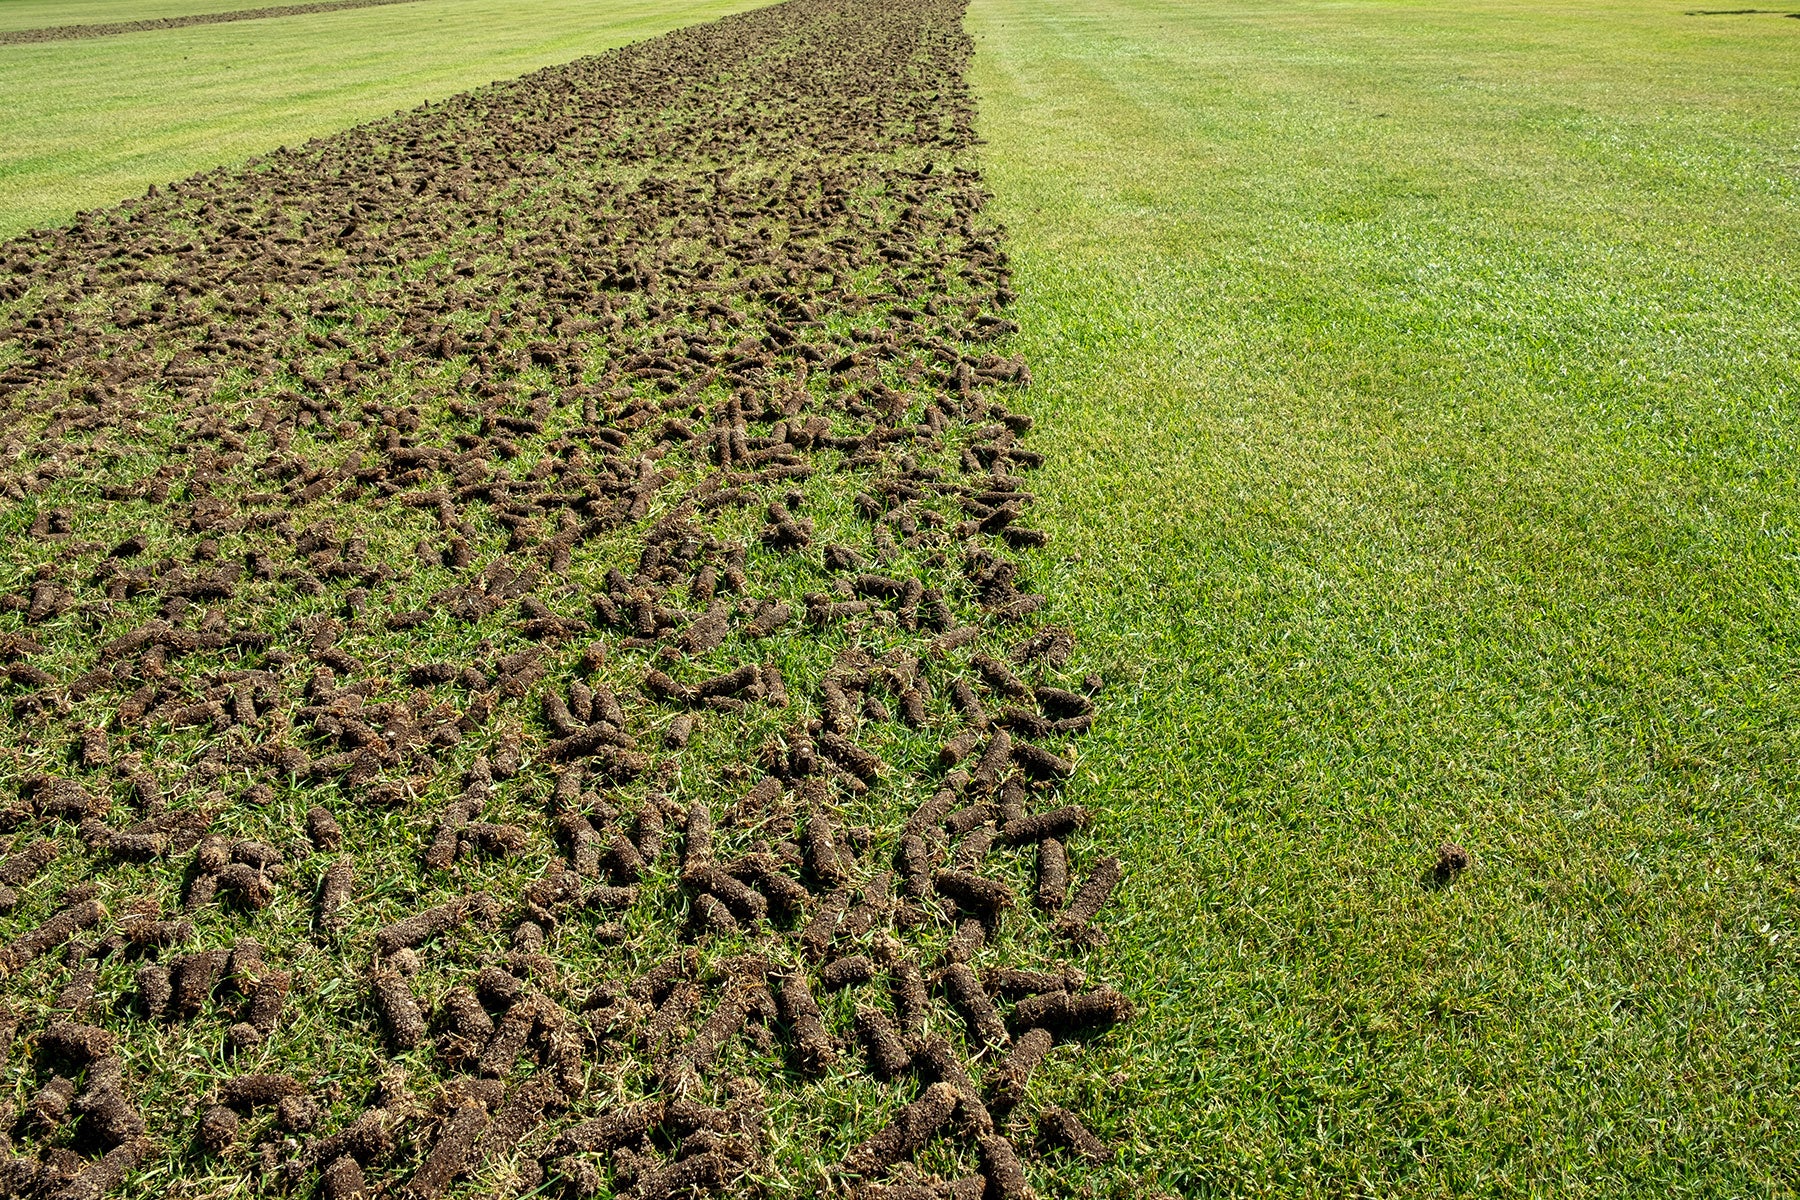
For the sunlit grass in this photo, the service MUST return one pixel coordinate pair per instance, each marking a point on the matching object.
(1419, 384)
(87, 123)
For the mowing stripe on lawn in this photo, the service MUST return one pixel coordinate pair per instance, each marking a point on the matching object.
(1423, 379)
(63, 33)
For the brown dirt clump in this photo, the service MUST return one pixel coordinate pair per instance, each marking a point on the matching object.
(334, 891)
(904, 1136)
(1052, 874)
(251, 1090)
(1060, 1127)
(964, 988)
(1058, 823)
(1452, 860)
(192, 979)
(801, 1011)
(1000, 1163)
(1006, 1083)
(397, 1007)
(450, 1152)
(1089, 898)
(938, 1060)
(981, 895)
(888, 1056)
(71, 1041)
(323, 829)
(53, 932)
(154, 988)
(847, 972)
(342, 1179)
(218, 1129)
(1066, 1012)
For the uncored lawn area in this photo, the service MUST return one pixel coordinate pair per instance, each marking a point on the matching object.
(1421, 391)
(87, 123)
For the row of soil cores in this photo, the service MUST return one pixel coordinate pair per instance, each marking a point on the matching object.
(520, 665)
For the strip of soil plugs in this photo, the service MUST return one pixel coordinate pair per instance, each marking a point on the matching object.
(415, 515)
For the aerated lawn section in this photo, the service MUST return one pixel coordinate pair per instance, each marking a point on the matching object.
(1422, 381)
(522, 665)
(89, 123)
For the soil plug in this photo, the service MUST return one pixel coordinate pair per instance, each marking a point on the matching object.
(398, 1009)
(911, 1129)
(1060, 1127)
(1088, 900)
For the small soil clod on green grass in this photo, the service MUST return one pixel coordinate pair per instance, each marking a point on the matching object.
(1452, 861)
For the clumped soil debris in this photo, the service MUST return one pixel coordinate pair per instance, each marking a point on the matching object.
(520, 652)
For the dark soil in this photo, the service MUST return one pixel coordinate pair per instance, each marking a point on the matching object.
(1452, 860)
(520, 654)
(1060, 1127)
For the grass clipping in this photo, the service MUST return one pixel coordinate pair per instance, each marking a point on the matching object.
(521, 668)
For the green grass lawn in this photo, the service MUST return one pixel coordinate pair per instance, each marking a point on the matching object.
(1421, 388)
(39, 14)
(88, 123)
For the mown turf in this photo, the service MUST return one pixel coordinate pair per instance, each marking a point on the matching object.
(1423, 382)
(92, 122)
(37, 14)
(179, 17)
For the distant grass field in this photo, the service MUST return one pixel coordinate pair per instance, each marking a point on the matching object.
(1421, 384)
(88, 123)
(38, 14)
